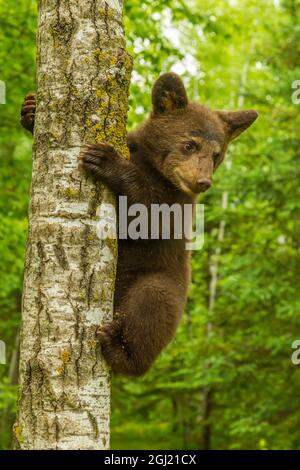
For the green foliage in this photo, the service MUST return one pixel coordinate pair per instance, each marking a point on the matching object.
(17, 64)
(227, 380)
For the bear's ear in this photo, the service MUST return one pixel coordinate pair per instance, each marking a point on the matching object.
(237, 121)
(168, 94)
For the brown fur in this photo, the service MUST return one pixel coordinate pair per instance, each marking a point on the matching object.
(173, 157)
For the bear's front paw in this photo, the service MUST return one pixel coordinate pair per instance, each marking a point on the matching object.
(94, 158)
(28, 112)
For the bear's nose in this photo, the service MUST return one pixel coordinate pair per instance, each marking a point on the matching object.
(203, 184)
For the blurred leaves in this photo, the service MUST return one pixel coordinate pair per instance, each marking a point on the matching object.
(245, 360)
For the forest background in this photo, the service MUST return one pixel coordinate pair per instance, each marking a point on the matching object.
(227, 381)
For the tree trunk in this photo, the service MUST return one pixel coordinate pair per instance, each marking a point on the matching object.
(83, 74)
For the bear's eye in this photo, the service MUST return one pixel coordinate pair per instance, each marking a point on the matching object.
(189, 146)
(216, 156)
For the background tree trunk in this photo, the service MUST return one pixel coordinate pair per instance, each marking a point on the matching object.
(208, 392)
(83, 74)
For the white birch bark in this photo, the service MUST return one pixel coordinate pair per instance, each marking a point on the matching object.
(83, 73)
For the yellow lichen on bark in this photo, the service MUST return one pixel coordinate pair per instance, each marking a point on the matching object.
(83, 74)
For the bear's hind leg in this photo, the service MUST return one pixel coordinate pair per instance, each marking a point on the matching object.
(150, 313)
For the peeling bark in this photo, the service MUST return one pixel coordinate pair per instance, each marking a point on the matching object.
(83, 74)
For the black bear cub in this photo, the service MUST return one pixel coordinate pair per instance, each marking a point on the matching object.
(173, 157)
